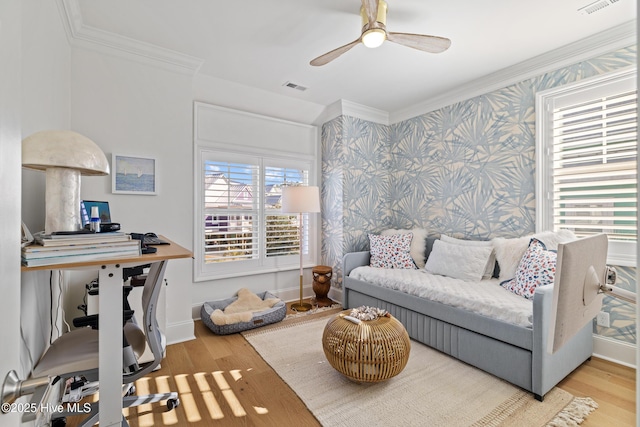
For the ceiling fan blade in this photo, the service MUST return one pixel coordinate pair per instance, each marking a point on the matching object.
(371, 10)
(330, 56)
(432, 44)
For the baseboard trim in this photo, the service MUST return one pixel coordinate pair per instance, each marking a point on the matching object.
(614, 351)
(180, 332)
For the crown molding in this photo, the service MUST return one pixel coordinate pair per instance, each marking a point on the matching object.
(365, 113)
(343, 107)
(81, 35)
(329, 113)
(615, 38)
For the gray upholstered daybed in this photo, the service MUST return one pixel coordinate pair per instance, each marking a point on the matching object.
(515, 353)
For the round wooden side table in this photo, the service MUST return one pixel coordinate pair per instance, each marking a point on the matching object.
(371, 351)
(322, 284)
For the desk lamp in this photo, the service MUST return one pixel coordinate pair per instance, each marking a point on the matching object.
(64, 155)
(300, 199)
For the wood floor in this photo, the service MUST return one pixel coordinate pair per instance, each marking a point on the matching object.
(222, 381)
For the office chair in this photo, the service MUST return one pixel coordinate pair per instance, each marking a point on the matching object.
(76, 354)
(132, 334)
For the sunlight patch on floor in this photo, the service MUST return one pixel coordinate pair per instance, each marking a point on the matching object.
(229, 395)
(145, 414)
(196, 392)
(215, 412)
(162, 385)
(235, 374)
(186, 398)
(260, 410)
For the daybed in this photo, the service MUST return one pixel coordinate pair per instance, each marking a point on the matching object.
(514, 349)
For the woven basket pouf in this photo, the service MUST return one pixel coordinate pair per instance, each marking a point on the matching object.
(371, 351)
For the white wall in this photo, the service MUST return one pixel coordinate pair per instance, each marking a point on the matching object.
(143, 109)
(132, 108)
(10, 84)
(240, 97)
(137, 106)
(46, 69)
(45, 101)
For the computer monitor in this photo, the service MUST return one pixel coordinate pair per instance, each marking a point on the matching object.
(103, 210)
(580, 271)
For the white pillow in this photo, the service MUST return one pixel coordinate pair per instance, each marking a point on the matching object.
(458, 261)
(491, 264)
(418, 243)
(509, 252)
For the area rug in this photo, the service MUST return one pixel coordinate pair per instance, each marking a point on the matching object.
(433, 389)
(315, 310)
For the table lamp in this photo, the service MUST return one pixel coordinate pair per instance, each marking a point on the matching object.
(64, 155)
(300, 199)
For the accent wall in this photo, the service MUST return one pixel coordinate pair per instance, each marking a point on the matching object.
(467, 170)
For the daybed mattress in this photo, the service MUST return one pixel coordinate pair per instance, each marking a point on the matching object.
(485, 297)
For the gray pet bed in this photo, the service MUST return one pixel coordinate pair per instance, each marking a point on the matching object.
(265, 317)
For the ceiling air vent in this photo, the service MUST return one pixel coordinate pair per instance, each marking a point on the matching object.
(294, 86)
(596, 6)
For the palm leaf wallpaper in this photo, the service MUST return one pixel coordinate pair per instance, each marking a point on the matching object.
(466, 170)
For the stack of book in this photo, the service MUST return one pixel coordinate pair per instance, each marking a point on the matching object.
(49, 249)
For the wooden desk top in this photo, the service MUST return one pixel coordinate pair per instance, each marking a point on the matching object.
(171, 251)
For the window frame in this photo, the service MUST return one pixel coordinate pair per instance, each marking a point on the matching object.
(263, 264)
(622, 253)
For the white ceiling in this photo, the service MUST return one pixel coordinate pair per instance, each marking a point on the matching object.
(264, 44)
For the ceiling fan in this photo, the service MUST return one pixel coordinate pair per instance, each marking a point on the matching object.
(374, 33)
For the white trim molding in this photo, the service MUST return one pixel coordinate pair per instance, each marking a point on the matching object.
(615, 351)
(616, 38)
(81, 35)
(180, 332)
(343, 107)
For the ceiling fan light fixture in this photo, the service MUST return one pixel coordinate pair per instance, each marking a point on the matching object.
(374, 37)
(374, 33)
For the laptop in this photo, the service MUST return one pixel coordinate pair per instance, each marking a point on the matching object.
(105, 220)
(103, 211)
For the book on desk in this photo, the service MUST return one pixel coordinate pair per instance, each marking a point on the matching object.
(70, 248)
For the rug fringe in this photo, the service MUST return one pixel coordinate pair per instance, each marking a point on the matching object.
(295, 319)
(574, 413)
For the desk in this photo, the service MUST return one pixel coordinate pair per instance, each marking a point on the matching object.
(110, 307)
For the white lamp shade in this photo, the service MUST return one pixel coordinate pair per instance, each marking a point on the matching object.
(63, 149)
(300, 199)
(65, 156)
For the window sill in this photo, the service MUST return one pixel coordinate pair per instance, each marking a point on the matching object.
(212, 277)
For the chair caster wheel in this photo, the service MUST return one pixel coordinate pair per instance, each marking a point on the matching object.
(173, 403)
(59, 422)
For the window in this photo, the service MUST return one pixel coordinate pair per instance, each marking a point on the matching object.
(587, 161)
(241, 228)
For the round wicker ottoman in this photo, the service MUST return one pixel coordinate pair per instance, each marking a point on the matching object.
(372, 351)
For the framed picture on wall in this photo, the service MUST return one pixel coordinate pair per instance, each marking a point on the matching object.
(133, 175)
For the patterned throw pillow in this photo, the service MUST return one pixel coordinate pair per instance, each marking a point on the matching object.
(537, 268)
(391, 251)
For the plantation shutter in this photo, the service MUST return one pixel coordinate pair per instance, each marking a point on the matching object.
(231, 211)
(594, 163)
(282, 230)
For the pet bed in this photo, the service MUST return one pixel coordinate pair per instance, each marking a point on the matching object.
(261, 318)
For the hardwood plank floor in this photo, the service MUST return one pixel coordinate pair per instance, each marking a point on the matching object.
(222, 381)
